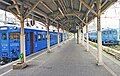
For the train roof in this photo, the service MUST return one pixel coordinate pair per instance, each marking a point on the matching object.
(37, 26)
(109, 29)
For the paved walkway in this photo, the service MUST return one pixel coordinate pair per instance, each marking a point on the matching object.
(69, 59)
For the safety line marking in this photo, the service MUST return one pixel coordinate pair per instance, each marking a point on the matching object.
(105, 66)
(6, 72)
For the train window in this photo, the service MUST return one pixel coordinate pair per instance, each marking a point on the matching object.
(51, 36)
(14, 35)
(35, 37)
(44, 36)
(39, 37)
(110, 32)
(114, 32)
(26, 36)
(104, 32)
(4, 36)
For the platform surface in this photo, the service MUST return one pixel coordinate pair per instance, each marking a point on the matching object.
(69, 59)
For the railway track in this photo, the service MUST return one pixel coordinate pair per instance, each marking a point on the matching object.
(109, 49)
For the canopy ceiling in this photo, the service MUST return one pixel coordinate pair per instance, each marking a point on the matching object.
(68, 13)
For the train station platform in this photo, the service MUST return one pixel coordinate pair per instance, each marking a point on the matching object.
(70, 59)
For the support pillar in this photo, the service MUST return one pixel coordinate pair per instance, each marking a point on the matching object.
(77, 36)
(79, 33)
(99, 41)
(58, 35)
(99, 33)
(22, 42)
(83, 36)
(22, 64)
(48, 36)
(87, 38)
(74, 36)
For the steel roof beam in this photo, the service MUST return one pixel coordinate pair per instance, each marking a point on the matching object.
(87, 6)
(104, 3)
(72, 4)
(46, 6)
(17, 7)
(70, 14)
(15, 14)
(80, 6)
(77, 23)
(5, 2)
(88, 12)
(61, 12)
(33, 7)
(64, 5)
(80, 19)
(60, 5)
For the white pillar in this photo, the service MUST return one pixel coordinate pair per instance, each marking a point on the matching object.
(77, 36)
(87, 38)
(74, 35)
(83, 36)
(79, 33)
(22, 41)
(58, 35)
(99, 33)
(48, 36)
(99, 41)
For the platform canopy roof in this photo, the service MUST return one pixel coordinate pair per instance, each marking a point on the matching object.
(68, 13)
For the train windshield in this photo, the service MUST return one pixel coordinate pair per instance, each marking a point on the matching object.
(14, 35)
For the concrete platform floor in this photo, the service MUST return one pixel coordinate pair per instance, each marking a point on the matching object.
(69, 59)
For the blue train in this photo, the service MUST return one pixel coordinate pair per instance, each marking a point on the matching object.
(35, 40)
(109, 36)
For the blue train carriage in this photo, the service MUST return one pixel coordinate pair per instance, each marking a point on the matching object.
(92, 35)
(118, 35)
(61, 35)
(35, 40)
(54, 36)
(109, 36)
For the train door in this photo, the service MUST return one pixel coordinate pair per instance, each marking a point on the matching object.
(4, 44)
(27, 42)
(31, 42)
(44, 41)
